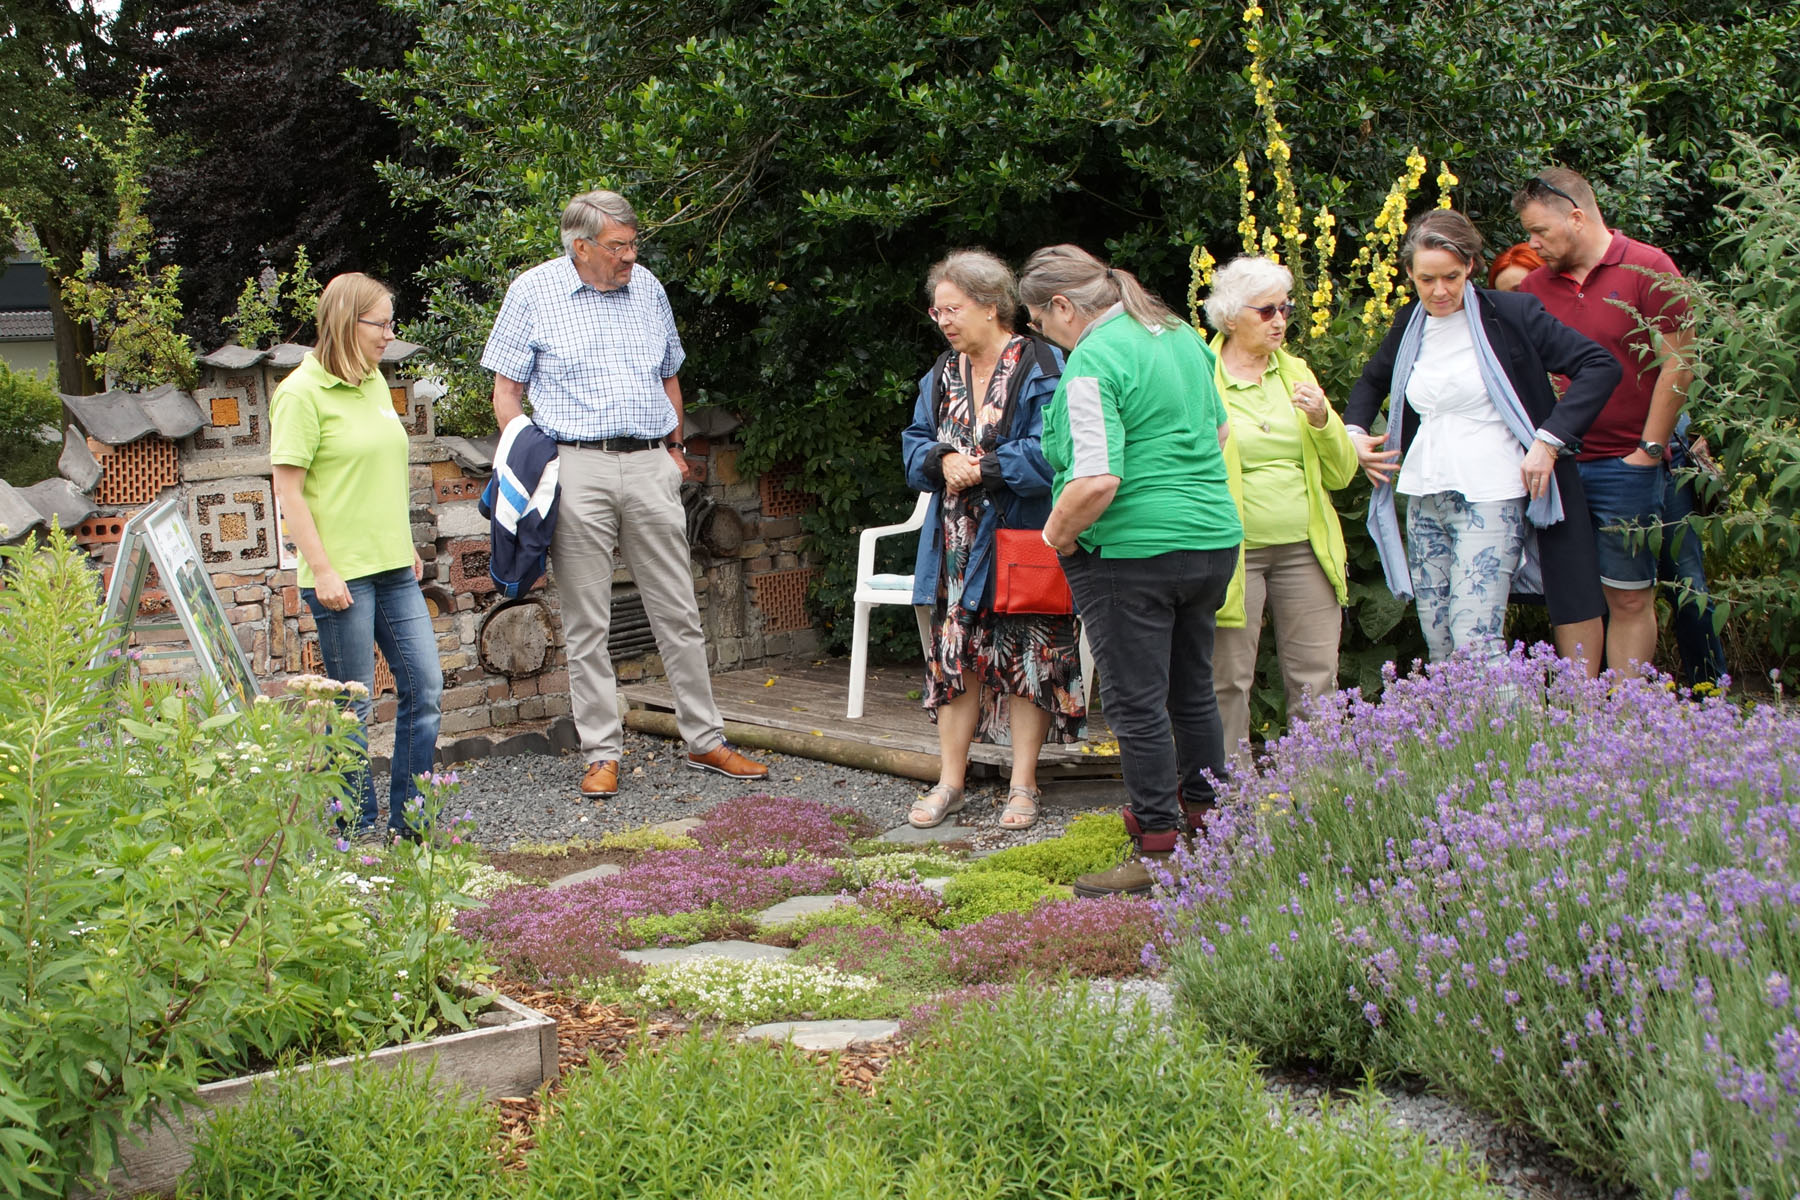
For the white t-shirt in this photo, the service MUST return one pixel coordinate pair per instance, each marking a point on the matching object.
(1462, 444)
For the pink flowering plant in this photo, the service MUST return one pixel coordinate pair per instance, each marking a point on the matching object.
(1575, 902)
(1094, 938)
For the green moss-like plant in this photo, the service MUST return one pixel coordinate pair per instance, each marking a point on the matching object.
(684, 929)
(974, 895)
(1094, 842)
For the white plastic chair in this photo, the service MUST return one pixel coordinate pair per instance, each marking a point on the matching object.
(873, 589)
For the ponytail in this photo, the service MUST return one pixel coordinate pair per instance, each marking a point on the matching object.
(1091, 286)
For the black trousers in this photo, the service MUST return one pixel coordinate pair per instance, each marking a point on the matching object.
(1150, 624)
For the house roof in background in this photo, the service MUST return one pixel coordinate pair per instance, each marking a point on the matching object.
(26, 326)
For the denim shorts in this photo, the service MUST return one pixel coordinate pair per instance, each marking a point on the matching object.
(1625, 501)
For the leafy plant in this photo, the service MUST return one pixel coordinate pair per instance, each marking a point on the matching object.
(380, 1134)
(29, 407)
(974, 895)
(134, 318)
(258, 319)
(1092, 842)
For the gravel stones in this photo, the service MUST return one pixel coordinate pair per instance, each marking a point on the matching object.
(533, 797)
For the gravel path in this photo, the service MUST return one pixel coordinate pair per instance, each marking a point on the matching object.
(534, 797)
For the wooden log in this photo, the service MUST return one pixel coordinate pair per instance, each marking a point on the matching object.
(908, 764)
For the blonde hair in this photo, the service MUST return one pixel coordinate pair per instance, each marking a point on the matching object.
(1090, 285)
(344, 299)
(983, 278)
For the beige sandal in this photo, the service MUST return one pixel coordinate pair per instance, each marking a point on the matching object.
(937, 802)
(1021, 811)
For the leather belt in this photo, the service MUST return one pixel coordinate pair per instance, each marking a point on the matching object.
(618, 445)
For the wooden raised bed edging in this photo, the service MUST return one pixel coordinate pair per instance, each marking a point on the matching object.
(510, 1052)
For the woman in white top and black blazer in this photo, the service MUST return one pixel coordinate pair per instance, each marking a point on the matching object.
(1486, 445)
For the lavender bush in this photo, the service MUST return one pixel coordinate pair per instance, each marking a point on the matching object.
(1572, 901)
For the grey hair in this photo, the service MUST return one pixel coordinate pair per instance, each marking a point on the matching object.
(981, 276)
(1240, 281)
(1442, 229)
(587, 214)
(1090, 285)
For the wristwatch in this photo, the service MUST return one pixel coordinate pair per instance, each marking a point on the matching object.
(1656, 450)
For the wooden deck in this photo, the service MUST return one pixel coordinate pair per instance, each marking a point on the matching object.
(808, 696)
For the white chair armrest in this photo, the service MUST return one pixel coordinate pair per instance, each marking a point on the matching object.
(865, 548)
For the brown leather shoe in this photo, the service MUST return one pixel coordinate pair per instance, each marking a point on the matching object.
(729, 762)
(1130, 878)
(601, 780)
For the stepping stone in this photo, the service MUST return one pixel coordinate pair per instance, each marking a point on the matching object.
(822, 1035)
(744, 951)
(907, 835)
(797, 907)
(677, 828)
(587, 876)
(935, 883)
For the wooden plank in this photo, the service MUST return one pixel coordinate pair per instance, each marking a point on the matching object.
(810, 695)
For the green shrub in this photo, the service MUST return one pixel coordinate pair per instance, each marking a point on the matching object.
(1039, 1093)
(368, 1133)
(28, 407)
(1093, 842)
(977, 894)
(170, 912)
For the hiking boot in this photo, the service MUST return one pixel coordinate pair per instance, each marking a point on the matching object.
(728, 762)
(1130, 878)
(601, 780)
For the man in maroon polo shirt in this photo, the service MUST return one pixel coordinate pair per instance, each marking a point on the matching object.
(1594, 281)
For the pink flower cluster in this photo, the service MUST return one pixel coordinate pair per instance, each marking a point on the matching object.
(1083, 937)
(756, 825)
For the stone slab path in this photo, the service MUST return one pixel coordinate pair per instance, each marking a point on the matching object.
(742, 951)
(823, 1035)
(795, 907)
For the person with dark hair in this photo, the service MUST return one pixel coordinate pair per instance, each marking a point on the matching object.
(1147, 530)
(974, 443)
(340, 457)
(1511, 266)
(591, 335)
(1477, 440)
(1612, 289)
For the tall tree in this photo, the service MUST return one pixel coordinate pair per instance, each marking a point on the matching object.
(274, 147)
(60, 73)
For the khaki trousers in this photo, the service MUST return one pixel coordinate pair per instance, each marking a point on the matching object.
(1288, 581)
(628, 507)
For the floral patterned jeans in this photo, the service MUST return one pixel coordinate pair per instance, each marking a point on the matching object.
(1462, 557)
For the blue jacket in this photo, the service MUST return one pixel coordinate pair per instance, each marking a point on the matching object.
(1014, 471)
(520, 503)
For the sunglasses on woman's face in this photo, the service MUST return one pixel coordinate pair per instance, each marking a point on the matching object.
(1267, 311)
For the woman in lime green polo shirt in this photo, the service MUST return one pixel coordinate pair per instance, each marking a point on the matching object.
(340, 456)
(1288, 451)
(1147, 530)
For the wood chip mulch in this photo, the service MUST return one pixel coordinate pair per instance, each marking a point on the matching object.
(588, 1032)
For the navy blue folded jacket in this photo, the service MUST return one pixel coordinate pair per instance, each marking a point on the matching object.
(520, 504)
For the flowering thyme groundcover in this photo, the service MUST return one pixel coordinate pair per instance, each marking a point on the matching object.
(1576, 903)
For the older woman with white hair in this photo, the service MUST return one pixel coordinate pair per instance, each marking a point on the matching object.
(1288, 450)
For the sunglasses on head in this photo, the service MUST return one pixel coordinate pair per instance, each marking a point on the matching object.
(1541, 186)
(1267, 311)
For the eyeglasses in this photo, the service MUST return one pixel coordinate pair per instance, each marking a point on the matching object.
(619, 249)
(1267, 311)
(1540, 184)
(949, 310)
(392, 325)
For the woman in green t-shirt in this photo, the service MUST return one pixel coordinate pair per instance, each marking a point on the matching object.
(340, 457)
(1147, 530)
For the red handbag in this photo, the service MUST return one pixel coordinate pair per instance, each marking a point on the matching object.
(1028, 578)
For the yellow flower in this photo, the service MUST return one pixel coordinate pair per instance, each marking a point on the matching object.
(1253, 14)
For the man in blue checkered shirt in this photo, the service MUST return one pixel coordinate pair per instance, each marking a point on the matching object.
(591, 338)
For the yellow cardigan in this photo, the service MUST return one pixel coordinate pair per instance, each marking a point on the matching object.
(1327, 459)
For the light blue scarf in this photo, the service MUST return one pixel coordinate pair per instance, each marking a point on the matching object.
(1384, 524)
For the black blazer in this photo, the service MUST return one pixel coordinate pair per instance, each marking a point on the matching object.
(1530, 344)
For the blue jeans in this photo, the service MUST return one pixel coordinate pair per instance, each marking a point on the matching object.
(1150, 622)
(1682, 560)
(387, 610)
(1625, 501)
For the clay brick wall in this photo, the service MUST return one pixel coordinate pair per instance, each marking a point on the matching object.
(752, 595)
